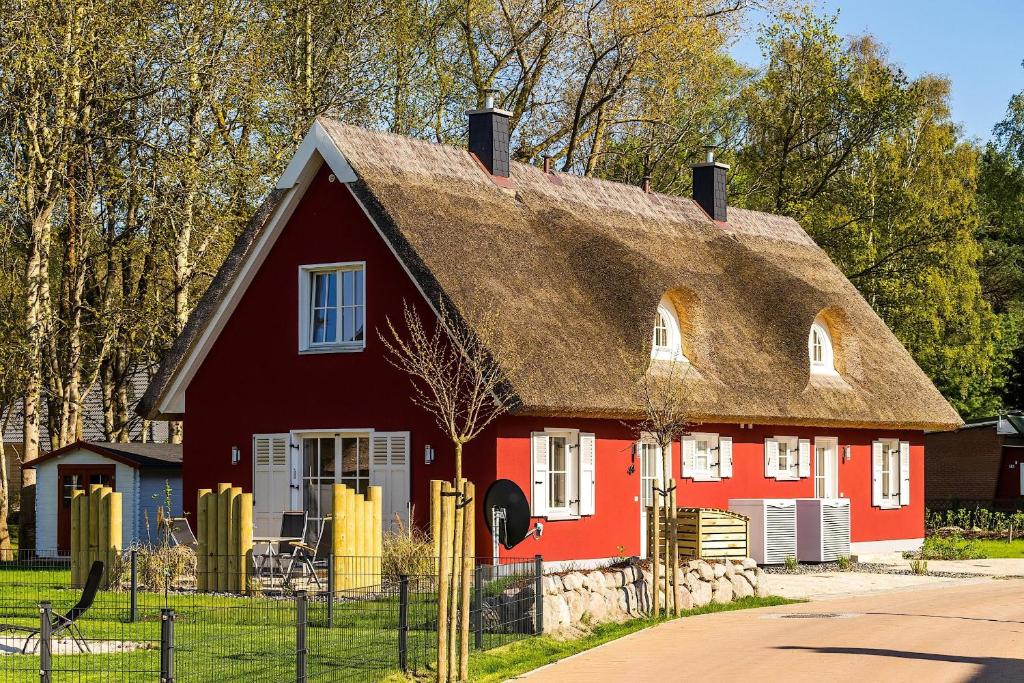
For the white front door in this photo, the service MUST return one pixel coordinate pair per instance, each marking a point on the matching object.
(826, 467)
(650, 474)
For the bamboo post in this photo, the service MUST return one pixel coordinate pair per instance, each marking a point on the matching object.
(656, 546)
(435, 520)
(223, 493)
(337, 533)
(76, 520)
(375, 496)
(233, 584)
(446, 518)
(468, 562)
(202, 536)
(244, 540)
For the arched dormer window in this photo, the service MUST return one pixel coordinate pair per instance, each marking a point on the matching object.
(667, 342)
(819, 349)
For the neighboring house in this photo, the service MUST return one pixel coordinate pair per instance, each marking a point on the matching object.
(142, 472)
(795, 386)
(980, 463)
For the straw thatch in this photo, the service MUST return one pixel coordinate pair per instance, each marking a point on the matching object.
(578, 267)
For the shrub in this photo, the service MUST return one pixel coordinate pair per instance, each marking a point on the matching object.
(845, 563)
(791, 562)
(919, 567)
(408, 551)
(158, 568)
(952, 547)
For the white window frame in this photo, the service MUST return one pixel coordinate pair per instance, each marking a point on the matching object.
(297, 455)
(890, 457)
(571, 509)
(831, 446)
(791, 445)
(711, 472)
(306, 274)
(673, 349)
(825, 364)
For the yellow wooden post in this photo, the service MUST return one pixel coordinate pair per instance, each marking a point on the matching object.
(223, 490)
(244, 540)
(337, 533)
(76, 519)
(114, 543)
(349, 579)
(358, 540)
(103, 535)
(202, 537)
(211, 541)
(435, 520)
(233, 583)
(94, 525)
(446, 514)
(456, 582)
(375, 498)
(83, 536)
(468, 563)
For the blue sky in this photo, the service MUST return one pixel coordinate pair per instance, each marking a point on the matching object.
(977, 44)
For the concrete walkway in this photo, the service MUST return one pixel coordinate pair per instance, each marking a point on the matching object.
(968, 632)
(825, 585)
(995, 567)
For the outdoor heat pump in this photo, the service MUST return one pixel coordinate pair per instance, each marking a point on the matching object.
(823, 529)
(772, 535)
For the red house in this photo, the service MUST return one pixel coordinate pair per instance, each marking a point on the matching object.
(795, 386)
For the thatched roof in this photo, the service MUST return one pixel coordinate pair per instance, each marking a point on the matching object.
(579, 265)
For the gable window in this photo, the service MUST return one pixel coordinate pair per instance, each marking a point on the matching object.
(707, 457)
(666, 340)
(332, 307)
(787, 458)
(890, 473)
(819, 349)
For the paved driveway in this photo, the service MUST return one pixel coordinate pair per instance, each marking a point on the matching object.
(965, 632)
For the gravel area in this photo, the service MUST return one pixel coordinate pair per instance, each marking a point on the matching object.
(861, 568)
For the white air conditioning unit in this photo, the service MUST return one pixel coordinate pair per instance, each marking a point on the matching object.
(823, 529)
(772, 535)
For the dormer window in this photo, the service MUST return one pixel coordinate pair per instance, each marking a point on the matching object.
(332, 306)
(819, 349)
(667, 342)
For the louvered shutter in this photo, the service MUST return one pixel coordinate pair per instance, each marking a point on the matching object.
(804, 448)
(271, 482)
(539, 474)
(771, 458)
(904, 473)
(389, 469)
(689, 456)
(588, 470)
(876, 473)
(725, 456)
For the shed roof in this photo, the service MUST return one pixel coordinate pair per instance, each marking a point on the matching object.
(137, 455)
(578, 267)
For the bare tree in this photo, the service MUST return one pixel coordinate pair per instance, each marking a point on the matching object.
(662, 395)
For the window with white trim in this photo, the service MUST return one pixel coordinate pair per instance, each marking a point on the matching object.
(890, 472)
(329, 459)
(563, 468)
(332, 307)
(819, 349)
(666, 340)
(706, 456)
(787, 458)
(650, 465)
(789, 455)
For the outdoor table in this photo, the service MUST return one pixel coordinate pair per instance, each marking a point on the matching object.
(272, 544)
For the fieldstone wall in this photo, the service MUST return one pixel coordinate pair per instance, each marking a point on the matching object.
(574, 601)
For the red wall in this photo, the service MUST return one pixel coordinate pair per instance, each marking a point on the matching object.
(617, 518)
(255, 381)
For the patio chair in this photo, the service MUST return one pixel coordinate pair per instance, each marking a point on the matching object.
(312, 557)
(66, 624)
(181, 534)
(293, 525)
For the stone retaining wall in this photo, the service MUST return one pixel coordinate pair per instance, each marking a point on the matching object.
(576, 600)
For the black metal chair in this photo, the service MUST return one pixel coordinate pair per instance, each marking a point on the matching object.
(181, 533)
(66, 624)
(312, 557)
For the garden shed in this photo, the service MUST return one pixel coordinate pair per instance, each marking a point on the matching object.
(147, 474)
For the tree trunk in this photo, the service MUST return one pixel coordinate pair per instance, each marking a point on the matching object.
(5, 535)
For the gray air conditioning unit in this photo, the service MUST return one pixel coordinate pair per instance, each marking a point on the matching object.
(772, 536)
(823, 529)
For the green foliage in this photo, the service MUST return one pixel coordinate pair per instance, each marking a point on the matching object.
(952, 547)
(919, 567)
(790, 563)
(845, 563)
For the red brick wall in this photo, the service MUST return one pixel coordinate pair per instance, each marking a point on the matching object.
(962, 465)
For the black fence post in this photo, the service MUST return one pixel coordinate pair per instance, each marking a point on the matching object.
(538, 593)
(166, 645)
(133, 604)
(330, 590)
(403, 622)
(300, 637)
(478, 608)
(45, 619)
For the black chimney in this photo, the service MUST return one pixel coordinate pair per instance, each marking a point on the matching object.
(709, 187)
(488, 137)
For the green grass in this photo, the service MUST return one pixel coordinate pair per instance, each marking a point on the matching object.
(1001, 549)
(525, 655)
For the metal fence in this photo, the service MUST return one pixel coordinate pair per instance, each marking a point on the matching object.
(288, 620)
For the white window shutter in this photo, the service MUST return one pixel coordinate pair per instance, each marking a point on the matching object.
(771, 458)
(725, 456)
(689, 456)
(588, 470)
(539, 474)
(804, 448)
(271, 481)
(389, 469)
(904, 473)
(876, 473)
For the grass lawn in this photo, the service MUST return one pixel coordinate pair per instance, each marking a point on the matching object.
(517, 658)
(997, 548)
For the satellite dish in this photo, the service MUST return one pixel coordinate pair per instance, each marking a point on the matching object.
(507, 513)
